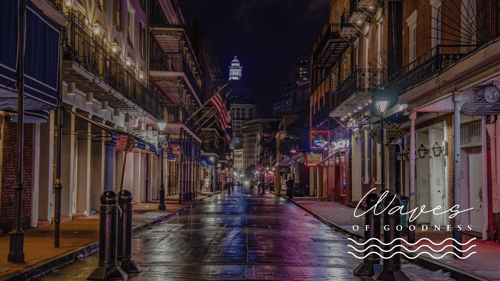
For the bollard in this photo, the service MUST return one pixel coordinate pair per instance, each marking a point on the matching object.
(108, 239)
(392, 266)
(372, 230)
(125, 234)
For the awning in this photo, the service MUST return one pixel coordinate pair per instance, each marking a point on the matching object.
(41, 59)
(139, 143)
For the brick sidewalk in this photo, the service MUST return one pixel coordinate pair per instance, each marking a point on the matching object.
(485, 263)
(76, 234)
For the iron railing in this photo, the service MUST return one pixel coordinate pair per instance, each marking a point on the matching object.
(323, 113)
(426, 66)
(160, 61)
(331, 33)
(90, 52)
(211, 147)
(176, 62)
(360, 80)
(177, 114)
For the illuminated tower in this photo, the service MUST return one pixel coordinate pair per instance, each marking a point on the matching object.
(235, 70)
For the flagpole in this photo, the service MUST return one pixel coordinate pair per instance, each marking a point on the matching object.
(206, 103)
(205, 122)
(208, 127)
(208, 111)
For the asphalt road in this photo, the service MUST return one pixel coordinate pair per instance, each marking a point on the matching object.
(239, 236)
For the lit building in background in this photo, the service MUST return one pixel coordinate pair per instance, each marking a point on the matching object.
(235, 70)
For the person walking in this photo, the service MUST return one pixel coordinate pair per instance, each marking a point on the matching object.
(289, 187)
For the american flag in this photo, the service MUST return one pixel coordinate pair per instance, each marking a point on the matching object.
(171, 156)
(220, 106)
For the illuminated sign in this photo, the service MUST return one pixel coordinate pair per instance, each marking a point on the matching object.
(314, 159)
(320, 139)
(338, 145)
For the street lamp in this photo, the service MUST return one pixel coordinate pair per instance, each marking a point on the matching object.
(437, 149)
(162, 206)
(381, 105)
(422, 151)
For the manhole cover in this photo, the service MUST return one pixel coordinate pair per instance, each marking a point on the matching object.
(4, 269)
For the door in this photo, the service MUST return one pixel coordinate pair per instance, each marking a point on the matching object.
(422, 180)
(475, 188)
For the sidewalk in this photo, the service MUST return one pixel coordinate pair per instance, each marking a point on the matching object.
(78, 239)
(483, 265)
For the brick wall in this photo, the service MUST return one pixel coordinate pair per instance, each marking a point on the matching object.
(9, 148)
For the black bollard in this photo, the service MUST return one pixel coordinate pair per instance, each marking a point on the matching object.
(392, 222)
(372, 230)
(125, 234)
(108, 239)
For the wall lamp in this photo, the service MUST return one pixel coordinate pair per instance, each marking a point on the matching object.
(422, 151)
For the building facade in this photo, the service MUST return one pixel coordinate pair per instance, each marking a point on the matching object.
(418, 56)
(120, 80)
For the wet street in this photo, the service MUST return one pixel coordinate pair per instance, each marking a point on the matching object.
(236, 237)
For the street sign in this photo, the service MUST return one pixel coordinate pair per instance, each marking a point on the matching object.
(373, 134)
(392, 134)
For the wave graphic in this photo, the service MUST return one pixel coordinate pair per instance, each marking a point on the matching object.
(411, 257)
(411, 251)
(411, 244)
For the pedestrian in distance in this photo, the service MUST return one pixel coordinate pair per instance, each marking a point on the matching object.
(289, 187)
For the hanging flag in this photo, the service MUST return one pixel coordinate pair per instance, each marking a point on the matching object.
(220, 108)
(171, 156)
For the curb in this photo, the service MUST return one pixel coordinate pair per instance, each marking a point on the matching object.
(456, 273)
(46, 266)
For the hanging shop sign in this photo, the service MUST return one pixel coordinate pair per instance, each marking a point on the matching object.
(486, 103)
(147, 136)
(392, 134)
(338, 145)
(314, 159)
(373, 134)
(121, 142)
(320, 139)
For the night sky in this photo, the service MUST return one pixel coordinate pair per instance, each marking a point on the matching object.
(265, 35)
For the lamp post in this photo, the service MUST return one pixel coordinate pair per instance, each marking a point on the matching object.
(162, 207)
(381, 106)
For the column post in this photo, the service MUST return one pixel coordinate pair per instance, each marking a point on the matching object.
(457, 232)
(413, 117)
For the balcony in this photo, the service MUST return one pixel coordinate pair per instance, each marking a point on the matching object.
(347, 29)
(178, 115)
(426, 66)
(322, 115)
(329, 49)
(173, 62)
(211, 147)
(90, 63)
(355, 91)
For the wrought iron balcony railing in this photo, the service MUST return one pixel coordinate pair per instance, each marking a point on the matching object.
(360, 80)
(175, 62)
(426, 66)
(211, 147)
(323, 113)
(177, 114)
(166, 62)
(91, 53)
